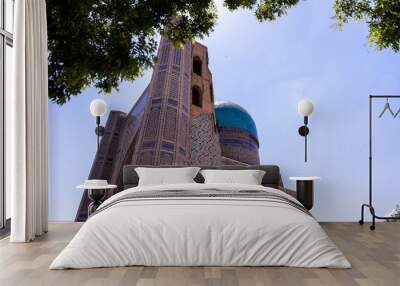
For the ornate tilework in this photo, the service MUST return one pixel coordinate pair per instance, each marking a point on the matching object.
(152, 123)
(238, 145)
(188, 58)
(146, 158)
(158, 88)
(177, 56)
(168, 146)
(166, 158)
(174, 87)
(148, 144)
(205, 149)
(183, 130)
(165, 52)
(169, 130)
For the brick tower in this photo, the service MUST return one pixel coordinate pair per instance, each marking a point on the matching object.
(204, 149)
(172, 123)
(164, 140)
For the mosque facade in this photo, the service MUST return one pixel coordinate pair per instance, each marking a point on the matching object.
(175, 121)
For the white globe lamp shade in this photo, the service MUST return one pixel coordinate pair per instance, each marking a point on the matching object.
(305, 107)
(98, 107)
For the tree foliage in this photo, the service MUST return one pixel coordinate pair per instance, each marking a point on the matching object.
(265, 9)
(103, 42)
(382, 16)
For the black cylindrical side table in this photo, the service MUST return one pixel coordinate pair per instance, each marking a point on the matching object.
(96, 195)
(305, 190)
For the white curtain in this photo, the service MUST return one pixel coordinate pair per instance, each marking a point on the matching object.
(28, 123)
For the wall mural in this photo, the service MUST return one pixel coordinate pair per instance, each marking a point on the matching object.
(229, 97)
(175, 122)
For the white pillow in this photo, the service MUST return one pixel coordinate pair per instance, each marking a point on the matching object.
(166, 176)
(248, 177)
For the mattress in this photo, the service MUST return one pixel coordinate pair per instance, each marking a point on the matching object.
(201, 225)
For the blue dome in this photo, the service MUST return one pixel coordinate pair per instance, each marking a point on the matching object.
(232, 115)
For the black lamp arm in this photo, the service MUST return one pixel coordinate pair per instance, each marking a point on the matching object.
(99, 131)
(304, 131)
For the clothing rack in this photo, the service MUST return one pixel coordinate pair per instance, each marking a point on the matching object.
(370, 204)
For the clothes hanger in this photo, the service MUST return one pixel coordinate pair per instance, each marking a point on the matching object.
(397, 113)
(387, 107)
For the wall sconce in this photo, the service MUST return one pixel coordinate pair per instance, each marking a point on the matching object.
(98, 107)
(305, 108)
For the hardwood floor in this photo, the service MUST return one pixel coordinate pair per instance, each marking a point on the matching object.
(375, 257)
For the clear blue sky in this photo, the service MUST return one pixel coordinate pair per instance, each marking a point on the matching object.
(267, 68)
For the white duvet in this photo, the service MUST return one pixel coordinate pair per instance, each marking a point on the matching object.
(200, 231)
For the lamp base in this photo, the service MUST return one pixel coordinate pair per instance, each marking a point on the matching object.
(304, 131)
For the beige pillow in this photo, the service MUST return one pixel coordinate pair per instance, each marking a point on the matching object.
(247, 177)
(166, 176)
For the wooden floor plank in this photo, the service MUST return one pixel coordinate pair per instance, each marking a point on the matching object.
(375, 257)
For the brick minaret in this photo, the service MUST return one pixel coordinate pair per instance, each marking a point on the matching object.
(164, 139)
(172, 123)
(204, 140)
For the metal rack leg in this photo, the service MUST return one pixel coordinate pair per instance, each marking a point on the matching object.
(361, 221)
(372, 211)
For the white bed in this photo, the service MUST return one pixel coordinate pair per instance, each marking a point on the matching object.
(185, 230)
